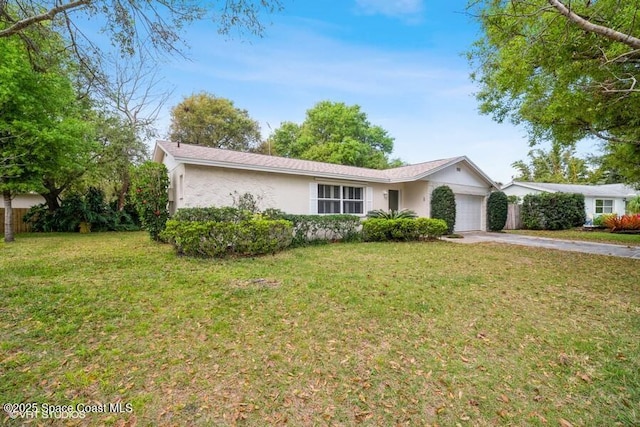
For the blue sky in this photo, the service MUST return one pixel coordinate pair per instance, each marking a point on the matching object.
(401, 60)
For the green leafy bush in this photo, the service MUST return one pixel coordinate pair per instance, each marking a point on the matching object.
(497, 210)
(553, 211)
(443, 206)
(599, 221)
(220, 239)
(150, 185)
(402, 229)
(311, 229)
(633, 205)
(227, 213)
(75, 208)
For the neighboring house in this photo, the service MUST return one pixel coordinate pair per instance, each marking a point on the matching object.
(598, 199)
(202, 176)
(25, 201)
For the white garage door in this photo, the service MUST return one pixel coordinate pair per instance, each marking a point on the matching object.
(468, 212)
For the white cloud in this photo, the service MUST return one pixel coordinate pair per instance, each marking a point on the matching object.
(394, 8)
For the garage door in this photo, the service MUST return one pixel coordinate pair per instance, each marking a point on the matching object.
(468, 212)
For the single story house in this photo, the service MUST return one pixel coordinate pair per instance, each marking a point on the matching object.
(598, 199)
(203, 176)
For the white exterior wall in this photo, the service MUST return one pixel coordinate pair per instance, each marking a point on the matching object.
(590, 206)
(25, 201)
(417, 198)
(211, 186)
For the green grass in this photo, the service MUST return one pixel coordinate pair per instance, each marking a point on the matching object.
(378, 334)
(589, 236)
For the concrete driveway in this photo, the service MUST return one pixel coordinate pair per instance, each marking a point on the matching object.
(544, 242)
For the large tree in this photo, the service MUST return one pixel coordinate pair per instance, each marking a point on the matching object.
(41, 124)
(334, 132)
(204, 119)
(566, 70)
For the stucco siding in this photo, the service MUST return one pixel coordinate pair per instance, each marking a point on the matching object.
(416, 198)
(25, 201)
(210, 186)
(460, 175)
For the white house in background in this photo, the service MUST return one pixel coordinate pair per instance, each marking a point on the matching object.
(598, 199)
(203, 176)
(25, 201)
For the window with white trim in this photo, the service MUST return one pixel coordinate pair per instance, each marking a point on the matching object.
(340, 199)
(604, 206)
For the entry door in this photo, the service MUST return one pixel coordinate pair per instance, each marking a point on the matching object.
(394, 200)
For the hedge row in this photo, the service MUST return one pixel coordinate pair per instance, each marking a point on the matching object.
(220, 232)
(404, 229)
(553, 211)
(220, 239)
(310, 229)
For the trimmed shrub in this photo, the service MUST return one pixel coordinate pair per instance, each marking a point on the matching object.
(402, 229)
(227, 213)
(443, 206)
(553, 211)
(220, 239)
(150, 185)
(312, 229)
(497, 211)
(431, 228)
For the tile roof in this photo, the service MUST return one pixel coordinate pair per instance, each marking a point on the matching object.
(606, 190)
(194, 154)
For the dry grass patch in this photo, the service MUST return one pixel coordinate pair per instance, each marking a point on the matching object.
(379, 334)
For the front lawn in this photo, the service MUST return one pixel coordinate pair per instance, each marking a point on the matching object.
(589, 236)
(379, 334)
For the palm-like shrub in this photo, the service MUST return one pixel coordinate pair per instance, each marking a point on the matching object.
(401, 214)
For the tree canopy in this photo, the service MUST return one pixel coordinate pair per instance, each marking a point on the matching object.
(567, 71)
(204, 119)
(559, 165)
(334, 132)
(42, 128)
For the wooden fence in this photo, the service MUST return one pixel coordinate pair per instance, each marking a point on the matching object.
(18, 225)
(514, 221)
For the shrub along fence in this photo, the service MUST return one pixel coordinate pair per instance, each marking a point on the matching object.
(19, 226)
(553, 211)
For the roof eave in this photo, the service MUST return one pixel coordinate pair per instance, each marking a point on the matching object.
(273, 169)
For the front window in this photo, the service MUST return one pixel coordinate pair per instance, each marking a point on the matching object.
(604, 206)
(339, 199)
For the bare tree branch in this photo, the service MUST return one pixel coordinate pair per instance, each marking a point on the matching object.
(47, 16)
(607, 32)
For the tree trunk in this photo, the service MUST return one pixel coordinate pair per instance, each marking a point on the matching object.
(51, 197)
(123, 191)
(8, 217)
